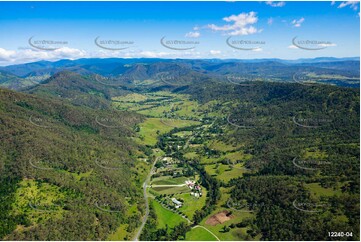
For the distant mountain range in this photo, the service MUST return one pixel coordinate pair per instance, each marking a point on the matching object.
(75, 154)
(336, 71)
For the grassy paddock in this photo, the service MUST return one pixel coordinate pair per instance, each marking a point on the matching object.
(165, 216)
(199, 234)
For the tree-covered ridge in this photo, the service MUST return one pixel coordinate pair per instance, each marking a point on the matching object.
(11, 81)
(82, 90)
(304, 142)
(277, 160)
(153, 73)
(75, 164)
(285, 210)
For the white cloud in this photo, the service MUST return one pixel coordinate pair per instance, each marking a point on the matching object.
(276, 4)
(26, 55)
(352, 4)
(215, 52)
(240, 24)
(29, 54)
(297, 23)
(66, 52)
(192, 35)
(6, 55)
(292, 47)
(270, 21)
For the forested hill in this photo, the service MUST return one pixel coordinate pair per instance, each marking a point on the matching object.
(66, 172)
(77, 89)
(333, 71)
(283, 119)
(271, 91)
(73, 162)
(298, 136)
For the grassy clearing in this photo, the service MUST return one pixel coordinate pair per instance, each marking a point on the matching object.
(221, 146)
(171, 190)
(317, 190)
(137, 107)
(133, 97)
(152, 127)
(179, 105)
(312, 153)
(191, 203)
(166, 217)
(125, 106)
(80, 176)
(135, 102)
(38, 201)
(329, 76)
(232, 156)
(225, 172)
(119, 234)
(199, 234)
(183, 133)
(157, 111)
(225, 195)
(234, 234)
(142, 170)
(164, 94)
(206, 160)
(191, 155)
(187, 108)
(239, 155)
(168, 180)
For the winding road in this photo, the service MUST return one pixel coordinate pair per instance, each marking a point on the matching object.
(145, 185)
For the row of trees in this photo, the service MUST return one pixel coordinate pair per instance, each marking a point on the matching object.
(213, 193)
(152, 233)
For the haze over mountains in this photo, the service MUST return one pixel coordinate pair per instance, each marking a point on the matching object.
(337, 71)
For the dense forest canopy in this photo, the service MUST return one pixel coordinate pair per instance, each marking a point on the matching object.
(87, 143)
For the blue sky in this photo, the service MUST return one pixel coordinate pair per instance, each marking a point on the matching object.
(135, 29)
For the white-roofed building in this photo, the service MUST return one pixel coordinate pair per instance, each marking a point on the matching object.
(175, 201)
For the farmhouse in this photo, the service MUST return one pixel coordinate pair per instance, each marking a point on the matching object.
(176, 202)
(190, 184)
